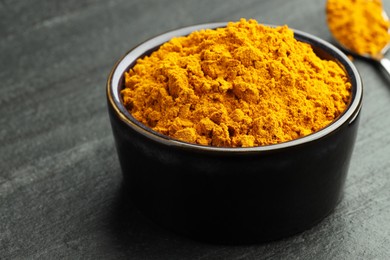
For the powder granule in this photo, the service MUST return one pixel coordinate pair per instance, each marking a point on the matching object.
(360, 25)
(242, 85)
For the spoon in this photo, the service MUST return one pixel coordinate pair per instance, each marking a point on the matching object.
(378, 58)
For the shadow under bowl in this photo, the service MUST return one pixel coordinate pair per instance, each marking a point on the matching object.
(233, 195)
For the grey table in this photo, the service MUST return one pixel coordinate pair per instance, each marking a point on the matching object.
(61, 194)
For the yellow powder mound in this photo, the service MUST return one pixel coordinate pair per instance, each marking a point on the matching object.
(359, 24)
(243, 85)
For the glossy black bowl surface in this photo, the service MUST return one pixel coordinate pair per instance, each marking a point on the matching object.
(234, 195)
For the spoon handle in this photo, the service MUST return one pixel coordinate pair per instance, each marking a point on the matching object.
(385, 65)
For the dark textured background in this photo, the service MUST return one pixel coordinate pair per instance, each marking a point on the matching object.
(60, 181)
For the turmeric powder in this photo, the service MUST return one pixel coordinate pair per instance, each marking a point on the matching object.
(242, 85)
(359, 25)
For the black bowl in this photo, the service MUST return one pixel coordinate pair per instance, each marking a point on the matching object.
(234, 195)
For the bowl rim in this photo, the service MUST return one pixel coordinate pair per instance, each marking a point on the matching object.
(122, 65)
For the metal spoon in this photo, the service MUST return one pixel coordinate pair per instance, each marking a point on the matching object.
(379, 58)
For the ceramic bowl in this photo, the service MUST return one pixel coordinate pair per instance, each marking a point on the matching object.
(233, 195)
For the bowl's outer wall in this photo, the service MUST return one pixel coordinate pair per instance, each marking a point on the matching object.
(235, 197)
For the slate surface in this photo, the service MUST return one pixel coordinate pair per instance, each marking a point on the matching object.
(60, 181)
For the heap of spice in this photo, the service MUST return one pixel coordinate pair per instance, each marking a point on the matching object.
(242, 85)
(359, 25)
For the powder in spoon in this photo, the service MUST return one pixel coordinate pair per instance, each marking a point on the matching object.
(359, 25)
(242, 85)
